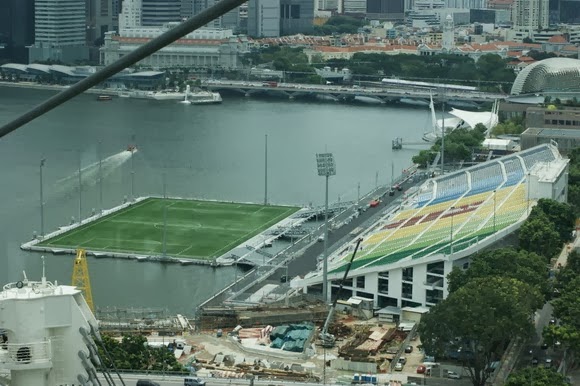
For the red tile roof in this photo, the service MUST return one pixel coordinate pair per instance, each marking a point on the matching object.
(557, 39)
(180, 41)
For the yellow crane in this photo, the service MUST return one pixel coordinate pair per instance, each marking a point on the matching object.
(80, 277)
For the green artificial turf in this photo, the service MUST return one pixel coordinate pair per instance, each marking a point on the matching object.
(195, 229)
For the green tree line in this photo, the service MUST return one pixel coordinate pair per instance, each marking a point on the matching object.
(487, 71)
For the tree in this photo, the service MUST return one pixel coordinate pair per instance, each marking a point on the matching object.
(424, 158)
(560, 214)
(481, 317)
(526, 267)
(567, 307)
(538, 235)
(536, 376)
(134, 353)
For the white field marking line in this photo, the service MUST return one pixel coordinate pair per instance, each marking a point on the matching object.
(106, 218)
(268, 224)
(112, 248)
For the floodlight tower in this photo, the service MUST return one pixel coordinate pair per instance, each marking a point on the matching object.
(326, 168)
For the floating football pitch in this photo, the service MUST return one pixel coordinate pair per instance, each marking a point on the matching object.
(194, 229)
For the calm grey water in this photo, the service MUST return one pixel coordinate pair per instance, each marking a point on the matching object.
(212, 152)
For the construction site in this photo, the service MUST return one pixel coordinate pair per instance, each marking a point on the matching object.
(297, 339)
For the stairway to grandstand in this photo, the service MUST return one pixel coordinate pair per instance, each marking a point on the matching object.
(455, 211)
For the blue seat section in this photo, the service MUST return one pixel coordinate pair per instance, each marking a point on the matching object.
(486, 177)
(426, 195)
(450, 187)
(537, 154)
(424, 198)
(514, 170)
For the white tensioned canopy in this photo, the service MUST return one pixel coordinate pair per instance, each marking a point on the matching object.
(472, 118)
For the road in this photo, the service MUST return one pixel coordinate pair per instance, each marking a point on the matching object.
(131, 380)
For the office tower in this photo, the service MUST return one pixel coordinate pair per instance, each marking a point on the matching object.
(130, 16)
(386, 9)
(158, 12)
(264, 18)
(530, 14)
(296, 16)
(60, 31)
(16, 29)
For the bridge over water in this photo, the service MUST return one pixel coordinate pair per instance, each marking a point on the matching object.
(343, 92)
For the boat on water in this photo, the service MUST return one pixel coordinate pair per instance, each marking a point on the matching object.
(102, 98)
(138, 94)
(168, 95)
(205, 98)
(201, 97)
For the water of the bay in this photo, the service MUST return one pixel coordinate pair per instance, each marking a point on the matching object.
(213, 152)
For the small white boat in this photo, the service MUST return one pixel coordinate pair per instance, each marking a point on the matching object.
(201, 97)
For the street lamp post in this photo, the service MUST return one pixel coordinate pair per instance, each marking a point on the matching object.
(494, 211)
(442, 136)
(164, 215)
(528, 203)
(80, 191)
(42, 161)
(326, 168)
(132, 178)
(101, 176)
(266, 171)
(452, 209)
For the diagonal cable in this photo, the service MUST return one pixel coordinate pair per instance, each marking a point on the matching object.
(133, 57)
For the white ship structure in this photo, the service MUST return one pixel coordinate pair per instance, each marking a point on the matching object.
(189, 97)
(461, 119)
(46, 335)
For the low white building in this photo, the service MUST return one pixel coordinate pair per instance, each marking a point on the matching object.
(205, 47)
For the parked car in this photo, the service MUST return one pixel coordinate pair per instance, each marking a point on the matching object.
(544, 346)
(409, 349)
(453, 375)
(421, 369)
(548, 362)
(399, 366)
(193, 381)
(403, 360)
(534, 361)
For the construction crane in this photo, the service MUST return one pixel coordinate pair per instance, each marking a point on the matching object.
(328, 340)
(80, 277)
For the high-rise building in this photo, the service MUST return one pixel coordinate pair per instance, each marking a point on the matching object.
(264, 18)
(569, 11)
(386, 9)
(530, 15)
(355, 6)
(60, 31)
(16, 29)
(130, 16)
(159, 12)
(296, 16)
(230, 20)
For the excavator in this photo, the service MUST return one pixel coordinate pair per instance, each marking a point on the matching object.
(328, 340)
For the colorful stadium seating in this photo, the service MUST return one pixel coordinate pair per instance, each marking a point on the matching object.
(452, 212)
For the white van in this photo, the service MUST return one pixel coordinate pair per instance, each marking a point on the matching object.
(193, 381)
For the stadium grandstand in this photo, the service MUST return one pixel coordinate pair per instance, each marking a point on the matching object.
(406, 255)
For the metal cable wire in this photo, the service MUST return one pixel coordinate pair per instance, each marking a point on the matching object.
(133, 57)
